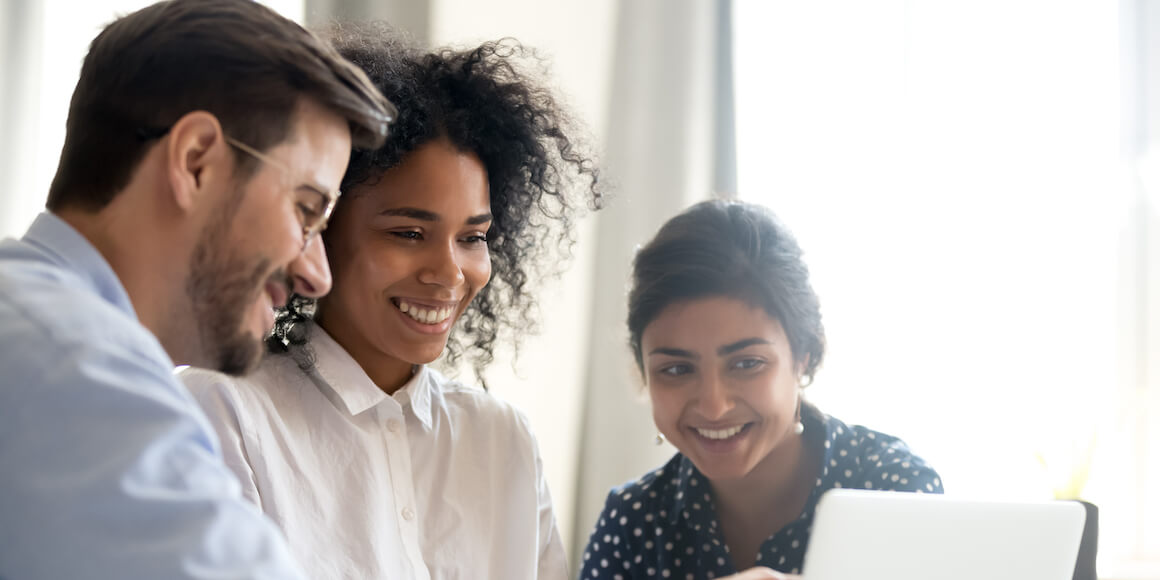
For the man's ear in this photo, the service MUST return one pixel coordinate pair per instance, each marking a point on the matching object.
(198, 158)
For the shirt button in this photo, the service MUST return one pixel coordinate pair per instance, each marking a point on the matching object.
(408, 514)
(393, 426)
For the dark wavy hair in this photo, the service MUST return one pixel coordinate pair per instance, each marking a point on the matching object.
(735, 249)
(236, 59)
(484, 101)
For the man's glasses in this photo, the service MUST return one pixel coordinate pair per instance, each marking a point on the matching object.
(314, 206)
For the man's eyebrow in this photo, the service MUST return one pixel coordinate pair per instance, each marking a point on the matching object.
(741, 344)
(315, 188)
(674, 352)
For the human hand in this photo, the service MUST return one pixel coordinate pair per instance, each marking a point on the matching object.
(761, 573)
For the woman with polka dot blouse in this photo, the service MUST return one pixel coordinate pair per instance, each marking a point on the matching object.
(727, 332)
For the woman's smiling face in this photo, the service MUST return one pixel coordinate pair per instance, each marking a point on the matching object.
(723, 383)
(408, 253)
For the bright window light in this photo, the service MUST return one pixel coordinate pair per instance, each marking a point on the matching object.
(954, 172)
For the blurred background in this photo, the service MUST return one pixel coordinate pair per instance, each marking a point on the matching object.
(976, 186)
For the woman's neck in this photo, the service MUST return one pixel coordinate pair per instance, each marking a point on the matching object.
(773, 494)
(387, 372)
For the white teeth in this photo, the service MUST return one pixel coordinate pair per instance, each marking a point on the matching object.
(720, 433)
(432, 316)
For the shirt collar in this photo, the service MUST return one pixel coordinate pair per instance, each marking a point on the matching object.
(417, 392)
(69, 248)
(355, 388)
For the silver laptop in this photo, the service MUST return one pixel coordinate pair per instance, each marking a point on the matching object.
(878, 535)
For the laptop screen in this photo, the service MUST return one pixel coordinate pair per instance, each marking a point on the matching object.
(881, 535)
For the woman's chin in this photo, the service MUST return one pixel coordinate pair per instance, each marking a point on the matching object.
(423, 354)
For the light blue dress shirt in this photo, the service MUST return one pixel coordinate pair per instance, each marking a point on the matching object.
(108, 468)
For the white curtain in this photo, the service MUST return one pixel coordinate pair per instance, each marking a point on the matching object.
(661, 144)
(21, 53)
(413, 16)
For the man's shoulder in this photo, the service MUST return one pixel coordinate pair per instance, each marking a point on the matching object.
(45, 305)
(27, 282)
(51, 319)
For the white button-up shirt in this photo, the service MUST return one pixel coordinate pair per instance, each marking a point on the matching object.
(438, 481)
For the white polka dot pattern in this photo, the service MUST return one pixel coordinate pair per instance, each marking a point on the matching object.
(673, 506)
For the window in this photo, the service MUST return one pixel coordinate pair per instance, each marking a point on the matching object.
(971, 188)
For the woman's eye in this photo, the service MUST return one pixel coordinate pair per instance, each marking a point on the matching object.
(747, 364)
(408, 235)
(675, 370)
(476, 239)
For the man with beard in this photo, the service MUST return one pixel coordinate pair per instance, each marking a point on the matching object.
(205, 143)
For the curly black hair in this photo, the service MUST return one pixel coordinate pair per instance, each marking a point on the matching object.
(487, 102)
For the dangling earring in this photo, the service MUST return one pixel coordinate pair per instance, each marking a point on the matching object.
(798, 426)
(660, 438)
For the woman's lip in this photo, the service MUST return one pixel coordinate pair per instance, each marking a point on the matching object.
(722, 445)
(435, 329)
(427, 304)
(720, 426)
(741, 428)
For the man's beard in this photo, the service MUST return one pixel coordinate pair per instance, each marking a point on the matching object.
(221, 289)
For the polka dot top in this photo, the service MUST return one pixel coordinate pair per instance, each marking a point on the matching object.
(664, 525)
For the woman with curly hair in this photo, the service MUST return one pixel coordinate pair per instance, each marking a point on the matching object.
(374, 464)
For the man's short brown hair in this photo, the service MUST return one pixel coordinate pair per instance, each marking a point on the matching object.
(236, 59)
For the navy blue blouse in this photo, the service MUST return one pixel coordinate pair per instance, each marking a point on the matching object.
(664, 525)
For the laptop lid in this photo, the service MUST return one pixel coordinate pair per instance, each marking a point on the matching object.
(881, 535)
